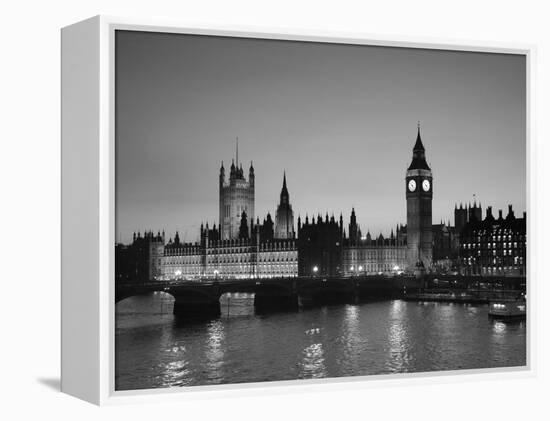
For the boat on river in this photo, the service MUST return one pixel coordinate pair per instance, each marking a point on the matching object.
(508, 308)
(446, 296)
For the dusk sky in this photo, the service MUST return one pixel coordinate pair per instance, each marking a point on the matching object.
(340, 119)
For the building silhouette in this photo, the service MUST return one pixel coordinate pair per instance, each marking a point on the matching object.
(419, 193)
(494, 246)
(461, 217)
(319, 247)
(474, 212)
(240, 247)
(243, 246)
(365, 255)
(353, 229)
(141, 260)
(236, 196)
(245, 257)
(284, 217)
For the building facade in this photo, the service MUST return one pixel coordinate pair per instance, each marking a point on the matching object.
(494, 246)
(236, 195)
(215, 258)
(320, 246)
(324, 249)
(419, 194)
(368, 256)
(141, 260)
(242, 246)
(238, 247)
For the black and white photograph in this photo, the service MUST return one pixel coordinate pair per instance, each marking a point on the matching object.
(297, 210)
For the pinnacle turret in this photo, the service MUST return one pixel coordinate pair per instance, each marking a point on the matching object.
(419, 154)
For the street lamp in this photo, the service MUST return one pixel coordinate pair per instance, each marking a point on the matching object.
(216, 271)
(315, 270)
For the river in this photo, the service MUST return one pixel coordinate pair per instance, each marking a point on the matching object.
(154, 350)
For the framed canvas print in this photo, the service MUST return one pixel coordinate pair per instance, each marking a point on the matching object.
(247, 209)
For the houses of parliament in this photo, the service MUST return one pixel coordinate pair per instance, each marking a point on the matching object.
(243, 246)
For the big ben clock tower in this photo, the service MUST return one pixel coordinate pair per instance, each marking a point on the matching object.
(419, 188)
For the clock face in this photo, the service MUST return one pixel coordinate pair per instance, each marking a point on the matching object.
(412, 185)
(426, 185)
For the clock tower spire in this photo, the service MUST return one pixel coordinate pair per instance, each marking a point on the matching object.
(419, 194)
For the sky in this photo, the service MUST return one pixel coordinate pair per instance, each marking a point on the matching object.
(341, 120)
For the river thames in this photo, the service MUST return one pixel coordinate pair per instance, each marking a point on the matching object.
(153, 350)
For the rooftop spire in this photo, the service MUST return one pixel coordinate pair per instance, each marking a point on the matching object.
(284, 190)
(237, 155)
(419, 156)
(418, 146)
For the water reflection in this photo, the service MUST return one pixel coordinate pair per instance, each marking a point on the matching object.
(174, 373)
(173, 368)
(236, 304)
(351, 339)
(152, 350)
(214, 351)
(398, 342)
(313, 362)
(352, 316)
(472, 310)
(499, 327)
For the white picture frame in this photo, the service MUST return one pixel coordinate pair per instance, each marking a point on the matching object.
(88, 212)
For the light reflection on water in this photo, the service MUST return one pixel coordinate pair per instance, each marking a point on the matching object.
(351, 340)
(152, 350)
(499, 327)
(215, 351)
(313, 362)
(398, 360)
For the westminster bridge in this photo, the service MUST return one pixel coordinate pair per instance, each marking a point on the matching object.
(202, 297)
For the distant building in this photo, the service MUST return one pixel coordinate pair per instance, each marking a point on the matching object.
(445, 242)
(446, 238)
(215, 258)
(284, 217)
(494, 246)
(461, 218)
(445, 248)
(320, 247)
(236, 196)
(238, 248)
(368, 256)
(243, 247)
(140, 261)
(419, 193)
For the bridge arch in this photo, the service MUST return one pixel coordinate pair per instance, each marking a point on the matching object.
(120, 299)
(122, 294)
